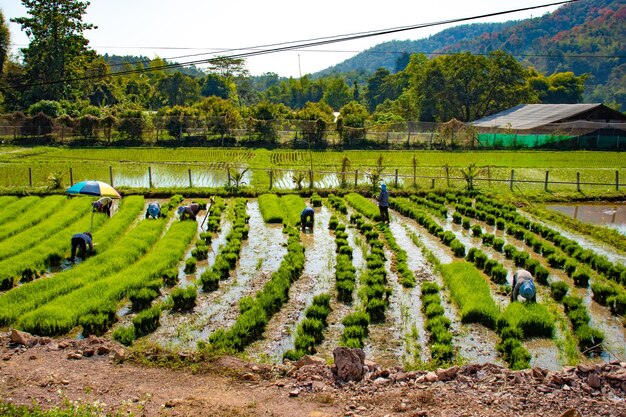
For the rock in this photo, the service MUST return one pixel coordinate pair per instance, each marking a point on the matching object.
(7, 357)
(585, 369)
(431, 377)
(249, 376)
(398, 377)
(65, 381)
(64, 344)
(309, 360)
(572, 412)
(447, 374)
(75, 355)
(23, 338)
(371, 365)
(172, 403)
(103, 350)
(537, 374)
(294, 393)
(255, 368)
(119, 355)
(32, 357)
(350, 363)
(280, 383)
(381, 381)
(44, 340)
(89, 352)
(617, 376)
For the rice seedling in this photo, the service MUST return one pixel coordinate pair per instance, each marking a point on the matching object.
(28, 214)
(363, 206)
(184, 298)
(309, 331)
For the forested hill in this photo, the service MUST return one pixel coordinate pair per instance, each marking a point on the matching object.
(592, 30)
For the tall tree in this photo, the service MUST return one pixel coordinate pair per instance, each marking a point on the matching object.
(5, 40)
(57, 51)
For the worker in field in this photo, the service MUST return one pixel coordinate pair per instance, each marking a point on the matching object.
(523, 285)
(80, 241)
(307, 218)
(154, 210)
(103, 205)
(189, 212)
(383, 204)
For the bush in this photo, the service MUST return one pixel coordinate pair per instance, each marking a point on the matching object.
(124, 335)
(190, 265)
(558, 290)
(184, 298)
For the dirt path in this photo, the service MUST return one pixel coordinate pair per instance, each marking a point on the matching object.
(45, 375)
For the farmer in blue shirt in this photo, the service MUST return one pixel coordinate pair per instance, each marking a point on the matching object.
(383, 204)
(80, 241)
(308, 214)
(523, 285)
(154, 210)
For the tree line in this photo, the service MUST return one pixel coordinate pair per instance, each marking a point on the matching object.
(60, 76)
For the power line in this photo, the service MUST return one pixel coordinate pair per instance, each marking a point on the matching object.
(292, 45)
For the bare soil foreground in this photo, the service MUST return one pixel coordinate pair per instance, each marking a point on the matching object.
(50, 372)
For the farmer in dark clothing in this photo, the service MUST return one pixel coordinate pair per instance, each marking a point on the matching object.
(308, 214)
(103, 205)
(154, 210)
(523, 285)
(80, 241)
(189, 212)
(383, 204)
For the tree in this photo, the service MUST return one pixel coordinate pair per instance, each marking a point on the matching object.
(58, 51)
(5, 41)
(178, 89)
(337, 93)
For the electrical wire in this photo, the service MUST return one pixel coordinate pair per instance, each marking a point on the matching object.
(288, 46)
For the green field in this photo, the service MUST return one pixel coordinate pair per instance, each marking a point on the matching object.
(207, 167)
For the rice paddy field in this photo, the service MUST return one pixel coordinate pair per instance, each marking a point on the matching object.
(276, 169)
(431, 288)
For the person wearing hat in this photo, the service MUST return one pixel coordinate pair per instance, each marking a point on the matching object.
(308, 214)
(383, 204)
(80, 241)
(190, 211)
(103, 205)
(154, 210)
(523, 285)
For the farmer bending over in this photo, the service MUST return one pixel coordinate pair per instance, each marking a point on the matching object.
(103, 205)
(80, 241)
(189, 212)
(523, 285)
(308, 214)
(154, 210)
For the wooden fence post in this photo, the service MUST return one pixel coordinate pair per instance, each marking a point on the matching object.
(545, 186)
(447, 175)
(228, 174)
(30, 176)
(489, 175)
(512, 179)
(356, 178)
(578, 181)
(149, 177)
(414, 171)
(189, 173)
(71, 177)
(432, 184)
(396, 182)
(310, 178)
(271, 178)
(616, 180)
(111, 175)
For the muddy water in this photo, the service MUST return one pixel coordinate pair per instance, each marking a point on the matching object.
(317, 277)
(172, 176)
(584, 241)
(431, 242)
(332, 334)
(608, 214)
(260, 256)
(412, 322)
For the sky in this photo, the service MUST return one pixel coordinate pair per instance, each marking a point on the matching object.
(173, 29)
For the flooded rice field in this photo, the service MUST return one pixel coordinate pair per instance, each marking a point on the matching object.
(401, 339)
(604, 214)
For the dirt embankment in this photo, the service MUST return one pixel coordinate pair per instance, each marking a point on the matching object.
(49, 372)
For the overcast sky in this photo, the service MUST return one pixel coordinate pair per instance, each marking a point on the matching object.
(172, 29)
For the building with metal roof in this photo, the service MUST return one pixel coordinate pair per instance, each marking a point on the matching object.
(583, 126)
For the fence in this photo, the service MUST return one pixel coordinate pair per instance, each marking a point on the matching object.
(154, 176)
(216, 131)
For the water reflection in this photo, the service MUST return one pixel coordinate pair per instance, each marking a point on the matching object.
(606, 214)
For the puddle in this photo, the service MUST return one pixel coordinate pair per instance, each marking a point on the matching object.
(604, 214)
(317, 277)
(173, 175)
(260, 256)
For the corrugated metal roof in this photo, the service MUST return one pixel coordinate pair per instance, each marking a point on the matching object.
(529, 116)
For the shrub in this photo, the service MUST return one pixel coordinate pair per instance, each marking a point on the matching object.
(147, 321)
(558, 290)
(581, 277)
(125, 335)
(190, 265)
(184, 298)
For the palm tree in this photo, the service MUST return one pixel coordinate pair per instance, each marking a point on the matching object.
(470, 173)
(236, 177)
